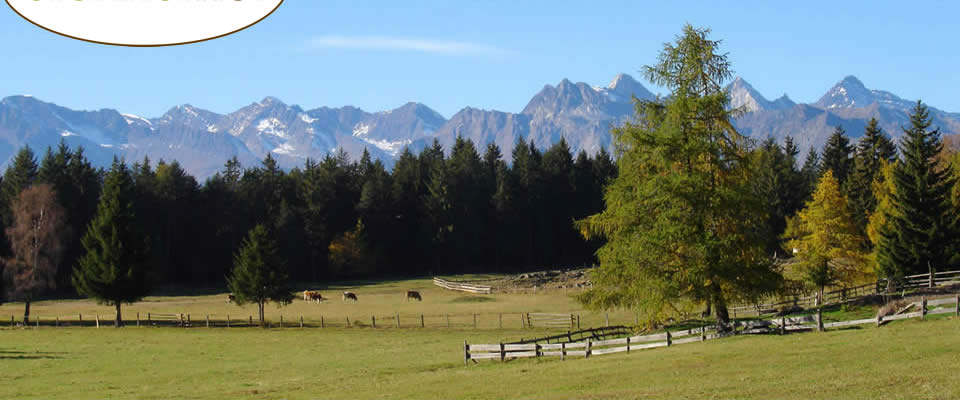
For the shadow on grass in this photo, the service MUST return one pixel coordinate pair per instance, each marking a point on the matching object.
(5, 354)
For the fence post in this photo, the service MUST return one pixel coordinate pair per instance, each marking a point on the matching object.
(586, 354)
(879, 319)
(703, 334)
(373, 319)
(563, 351)
(228, 321)
(783, 325)
(819, 319)
(301, 321)
(523, 323)
(537, 350)
(958, 304)
(628, 345)
(281, 321)
(189, 323)
(578, 321)
(138, 319)
(251, 320)
(466, 352)
(923, 307)
(669, 339)
(421, 321)
(149, 318)
(398, 320)
(321, 321)
(348, 321)
(503, 353)
(98, 321)
(80, 315)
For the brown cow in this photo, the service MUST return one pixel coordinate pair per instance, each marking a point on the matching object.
(315, 296)
(349, 295)
(414, 295)
(231, 298)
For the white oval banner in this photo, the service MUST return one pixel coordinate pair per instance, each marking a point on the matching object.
(144, 22)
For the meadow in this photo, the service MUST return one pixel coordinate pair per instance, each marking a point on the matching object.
(904, 359)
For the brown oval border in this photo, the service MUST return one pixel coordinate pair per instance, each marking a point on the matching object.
(129, 45)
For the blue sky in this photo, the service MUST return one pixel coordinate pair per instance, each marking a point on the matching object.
(493, 54)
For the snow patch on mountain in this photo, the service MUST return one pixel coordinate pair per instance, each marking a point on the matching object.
(273, 127)
(307, 119)
(134, 119)
(361, 130)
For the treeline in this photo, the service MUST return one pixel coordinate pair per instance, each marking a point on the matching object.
(333, 218)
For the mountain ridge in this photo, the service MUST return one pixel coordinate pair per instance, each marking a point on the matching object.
(582, 114)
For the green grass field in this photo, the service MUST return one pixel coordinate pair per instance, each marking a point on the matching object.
(905, 359)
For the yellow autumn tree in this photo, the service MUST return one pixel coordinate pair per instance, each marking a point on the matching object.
(883, 190)
(830, 249)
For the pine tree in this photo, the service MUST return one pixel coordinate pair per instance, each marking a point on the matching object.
(837, 156)
(681, 215)
(259, 272)
(873, 150)
(113, 270)
(830, 248)
(921, 235)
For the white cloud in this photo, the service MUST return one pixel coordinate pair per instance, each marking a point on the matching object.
(450, 47)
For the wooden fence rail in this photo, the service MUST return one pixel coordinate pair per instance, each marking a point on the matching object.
(465, 287)
(780, 325)
(846, 294)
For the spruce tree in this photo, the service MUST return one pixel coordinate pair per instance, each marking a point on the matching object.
(873, 150)
(837, 156)
(810, 173)
(19, 175)
(113, 269)
(259, 272)
(921, 236)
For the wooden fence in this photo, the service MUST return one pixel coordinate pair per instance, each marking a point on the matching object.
(780, 325)
(847, 294)
(512, 320)
(465, 287)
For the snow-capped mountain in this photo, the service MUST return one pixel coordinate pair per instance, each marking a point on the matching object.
(851, 93)
(742, 95)
(583, 114)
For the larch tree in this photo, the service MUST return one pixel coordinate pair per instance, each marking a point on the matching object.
(113, 269)
(681, 216)
(37, 238)
(259, 272)
(831, 247)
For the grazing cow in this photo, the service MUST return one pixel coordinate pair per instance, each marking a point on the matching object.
(315, 296)
(349, 295)
(230, 298)
(307, 295)
(414, 295)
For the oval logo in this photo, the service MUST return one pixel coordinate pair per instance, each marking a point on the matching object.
(144, 23)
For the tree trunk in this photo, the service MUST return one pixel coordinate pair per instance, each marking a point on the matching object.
(119, 321)
(26, 312)
(720, 308)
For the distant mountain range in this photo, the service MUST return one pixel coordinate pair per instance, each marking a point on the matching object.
(202, 140)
